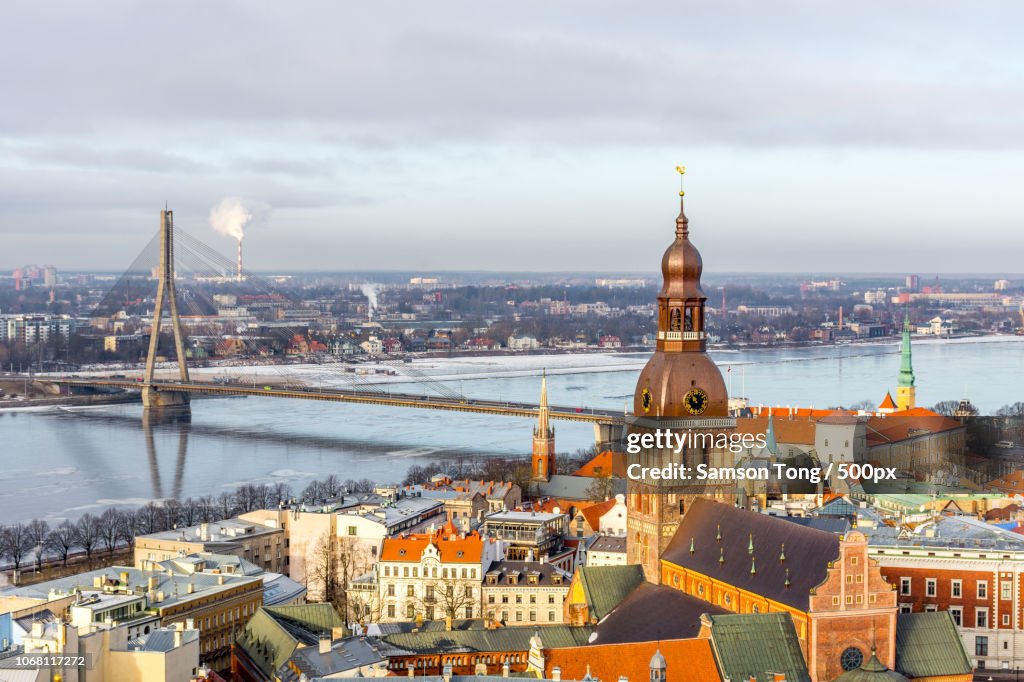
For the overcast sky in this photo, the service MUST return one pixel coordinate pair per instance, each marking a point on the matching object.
(867, 136)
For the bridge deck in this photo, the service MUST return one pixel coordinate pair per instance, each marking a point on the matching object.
(475, 405)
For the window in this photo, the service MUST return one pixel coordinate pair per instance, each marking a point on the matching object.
(929, 587)
(410, 612)
(851, 659)
(1006, 590)
(391, 610)
(519, 616)
(958, 615)
(981, 646)
(904, 608)
(410, 591)
(351, 530)
(533, 616)
(469, 612)
(533, 599)
(1006, 619)
(391, 589)
(981, 618)
(551, 616)
(931, 608)
(490, 599)
(551, 599)
(982, 589)
(905, 586)
(469, 591)
(956, 589)
(504, 599)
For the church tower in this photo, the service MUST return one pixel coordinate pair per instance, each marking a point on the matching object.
(906, 394)
(543, 460)
(681, 390)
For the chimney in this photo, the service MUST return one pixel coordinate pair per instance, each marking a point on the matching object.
(178, 638)
(779, 677)
(448, 623)
(220, 579)
(190, 624)
(154, 582)
(504, 669)
(447, 673)
(97, 581)
(412, 671)
(556, 674)
(204, 529)
(325, 644)
(337, 633)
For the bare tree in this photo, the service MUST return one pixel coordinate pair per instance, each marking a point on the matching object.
(189, 512)
(331, 486)
(15, 543)
(110, 528)
(446, 597)
(87, 534)
(321, 569)
(225, 506)
(61, 540)
(601, 489)
(38, 531)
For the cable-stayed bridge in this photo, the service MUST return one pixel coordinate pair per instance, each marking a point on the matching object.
(190, 274)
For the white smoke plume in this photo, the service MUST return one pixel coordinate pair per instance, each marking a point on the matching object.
(233, 214)
(370, 292)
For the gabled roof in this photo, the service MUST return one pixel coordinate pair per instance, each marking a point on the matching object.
(908, 424)
(460, 550)
(266, 643)
(752, 646)
(887, 403)
(928, 645)
(654, 612)
(604, 587)
(606, 463)
(594, 512)
(686, 659)
(798, 430)
(808, 551)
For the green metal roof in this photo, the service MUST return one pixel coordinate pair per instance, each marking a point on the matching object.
(498, 639)
(274, 632)
(757, 645)
(266, 642)
(316, 618)
(606, 586)
(928, 645)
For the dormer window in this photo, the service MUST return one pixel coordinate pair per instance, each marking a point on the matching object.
(534, 579)
(556, 579)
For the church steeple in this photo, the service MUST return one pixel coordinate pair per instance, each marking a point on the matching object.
(681, 380)
(543, 460)
(906, 393)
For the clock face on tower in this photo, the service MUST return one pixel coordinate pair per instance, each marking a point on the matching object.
(696, 401)
(645, 399)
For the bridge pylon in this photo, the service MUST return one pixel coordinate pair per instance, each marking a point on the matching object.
(152, 397)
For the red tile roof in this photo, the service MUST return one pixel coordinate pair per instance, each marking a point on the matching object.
(594, 512)
(453, 548)
(606, 463)
(888, 403)
(686, 659)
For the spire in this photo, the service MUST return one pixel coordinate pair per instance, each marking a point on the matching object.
(544, 388)
(682, 224)
(771, 444)
(906, 365)
(906, 394)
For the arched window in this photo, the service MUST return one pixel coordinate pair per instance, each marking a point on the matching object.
(689, 320)
(674, 320)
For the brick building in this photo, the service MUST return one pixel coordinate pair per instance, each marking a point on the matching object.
(841, 605)
(972, 569)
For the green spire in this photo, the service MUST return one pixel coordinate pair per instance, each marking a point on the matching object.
(750, 545)
(906, 366)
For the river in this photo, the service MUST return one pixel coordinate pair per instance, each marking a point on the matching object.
(59, 463)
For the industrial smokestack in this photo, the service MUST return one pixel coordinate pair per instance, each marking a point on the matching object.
(239, 275)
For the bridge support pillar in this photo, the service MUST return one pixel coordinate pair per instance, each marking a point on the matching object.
(153, 399)
(608, 436)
